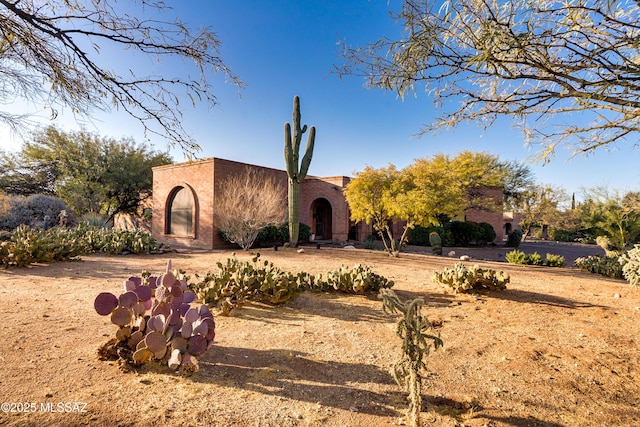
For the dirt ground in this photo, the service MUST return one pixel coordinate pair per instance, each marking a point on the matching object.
(557, 348)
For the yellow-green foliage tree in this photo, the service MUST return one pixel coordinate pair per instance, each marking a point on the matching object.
(370, 196)
(420, 192)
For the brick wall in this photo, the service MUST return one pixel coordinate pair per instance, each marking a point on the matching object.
(196, 176)
(205, 180)
(330, 189)
(493, 216)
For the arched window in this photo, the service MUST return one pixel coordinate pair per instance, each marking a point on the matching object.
(180, 213)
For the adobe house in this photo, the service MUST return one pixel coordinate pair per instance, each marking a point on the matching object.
(184, 204)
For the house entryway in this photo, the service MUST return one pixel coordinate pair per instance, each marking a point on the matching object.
(321, 219)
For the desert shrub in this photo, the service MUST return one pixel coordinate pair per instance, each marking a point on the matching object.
(94, 220)
(519, 257)
(610, 248)
(630, 263)
(516, 257)
(562, 235)
(419, 235)
(247, 203)
(554, 260)
(155, 321)
(487, 233)
(514, 239)
(535, 259)
(465, 232)
(369, 242)
(279, 234)
(608, 266)
(463, 279)
(30, 211)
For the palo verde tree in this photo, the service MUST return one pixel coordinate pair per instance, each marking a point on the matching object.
(539, 62)
(296, 172)
(541, 205)
(53, 55)
(247, 203)
(423, 191)
(370, 196)
(91, 174)
(415, 195)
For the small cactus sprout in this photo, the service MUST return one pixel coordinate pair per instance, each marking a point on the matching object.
(157, 322)
(436, 243)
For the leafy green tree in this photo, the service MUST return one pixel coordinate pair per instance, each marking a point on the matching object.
(24, 178)
(613, 215)
(538, 62)
(51, 55)
(427, 190)
(541, 206)
(370, 196)
(91, 174)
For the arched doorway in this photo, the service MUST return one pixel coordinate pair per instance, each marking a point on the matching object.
(507, 229)
(180, 213)
(321, 219)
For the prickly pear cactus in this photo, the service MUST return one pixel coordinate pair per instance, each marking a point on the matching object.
(156, 321)
(236, 282)
(356, 280)
(463, 279)
(296, 174)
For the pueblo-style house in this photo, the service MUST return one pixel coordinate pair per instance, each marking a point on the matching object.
(184, 204)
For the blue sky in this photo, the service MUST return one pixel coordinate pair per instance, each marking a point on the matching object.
(282, 48)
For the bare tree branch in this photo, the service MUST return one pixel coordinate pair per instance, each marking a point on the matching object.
(541, 62)
(51, 52)
(249, 202)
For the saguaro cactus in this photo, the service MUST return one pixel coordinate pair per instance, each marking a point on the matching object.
(296, 174)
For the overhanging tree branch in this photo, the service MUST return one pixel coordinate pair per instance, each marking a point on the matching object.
(535, 61)
(59, 43)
